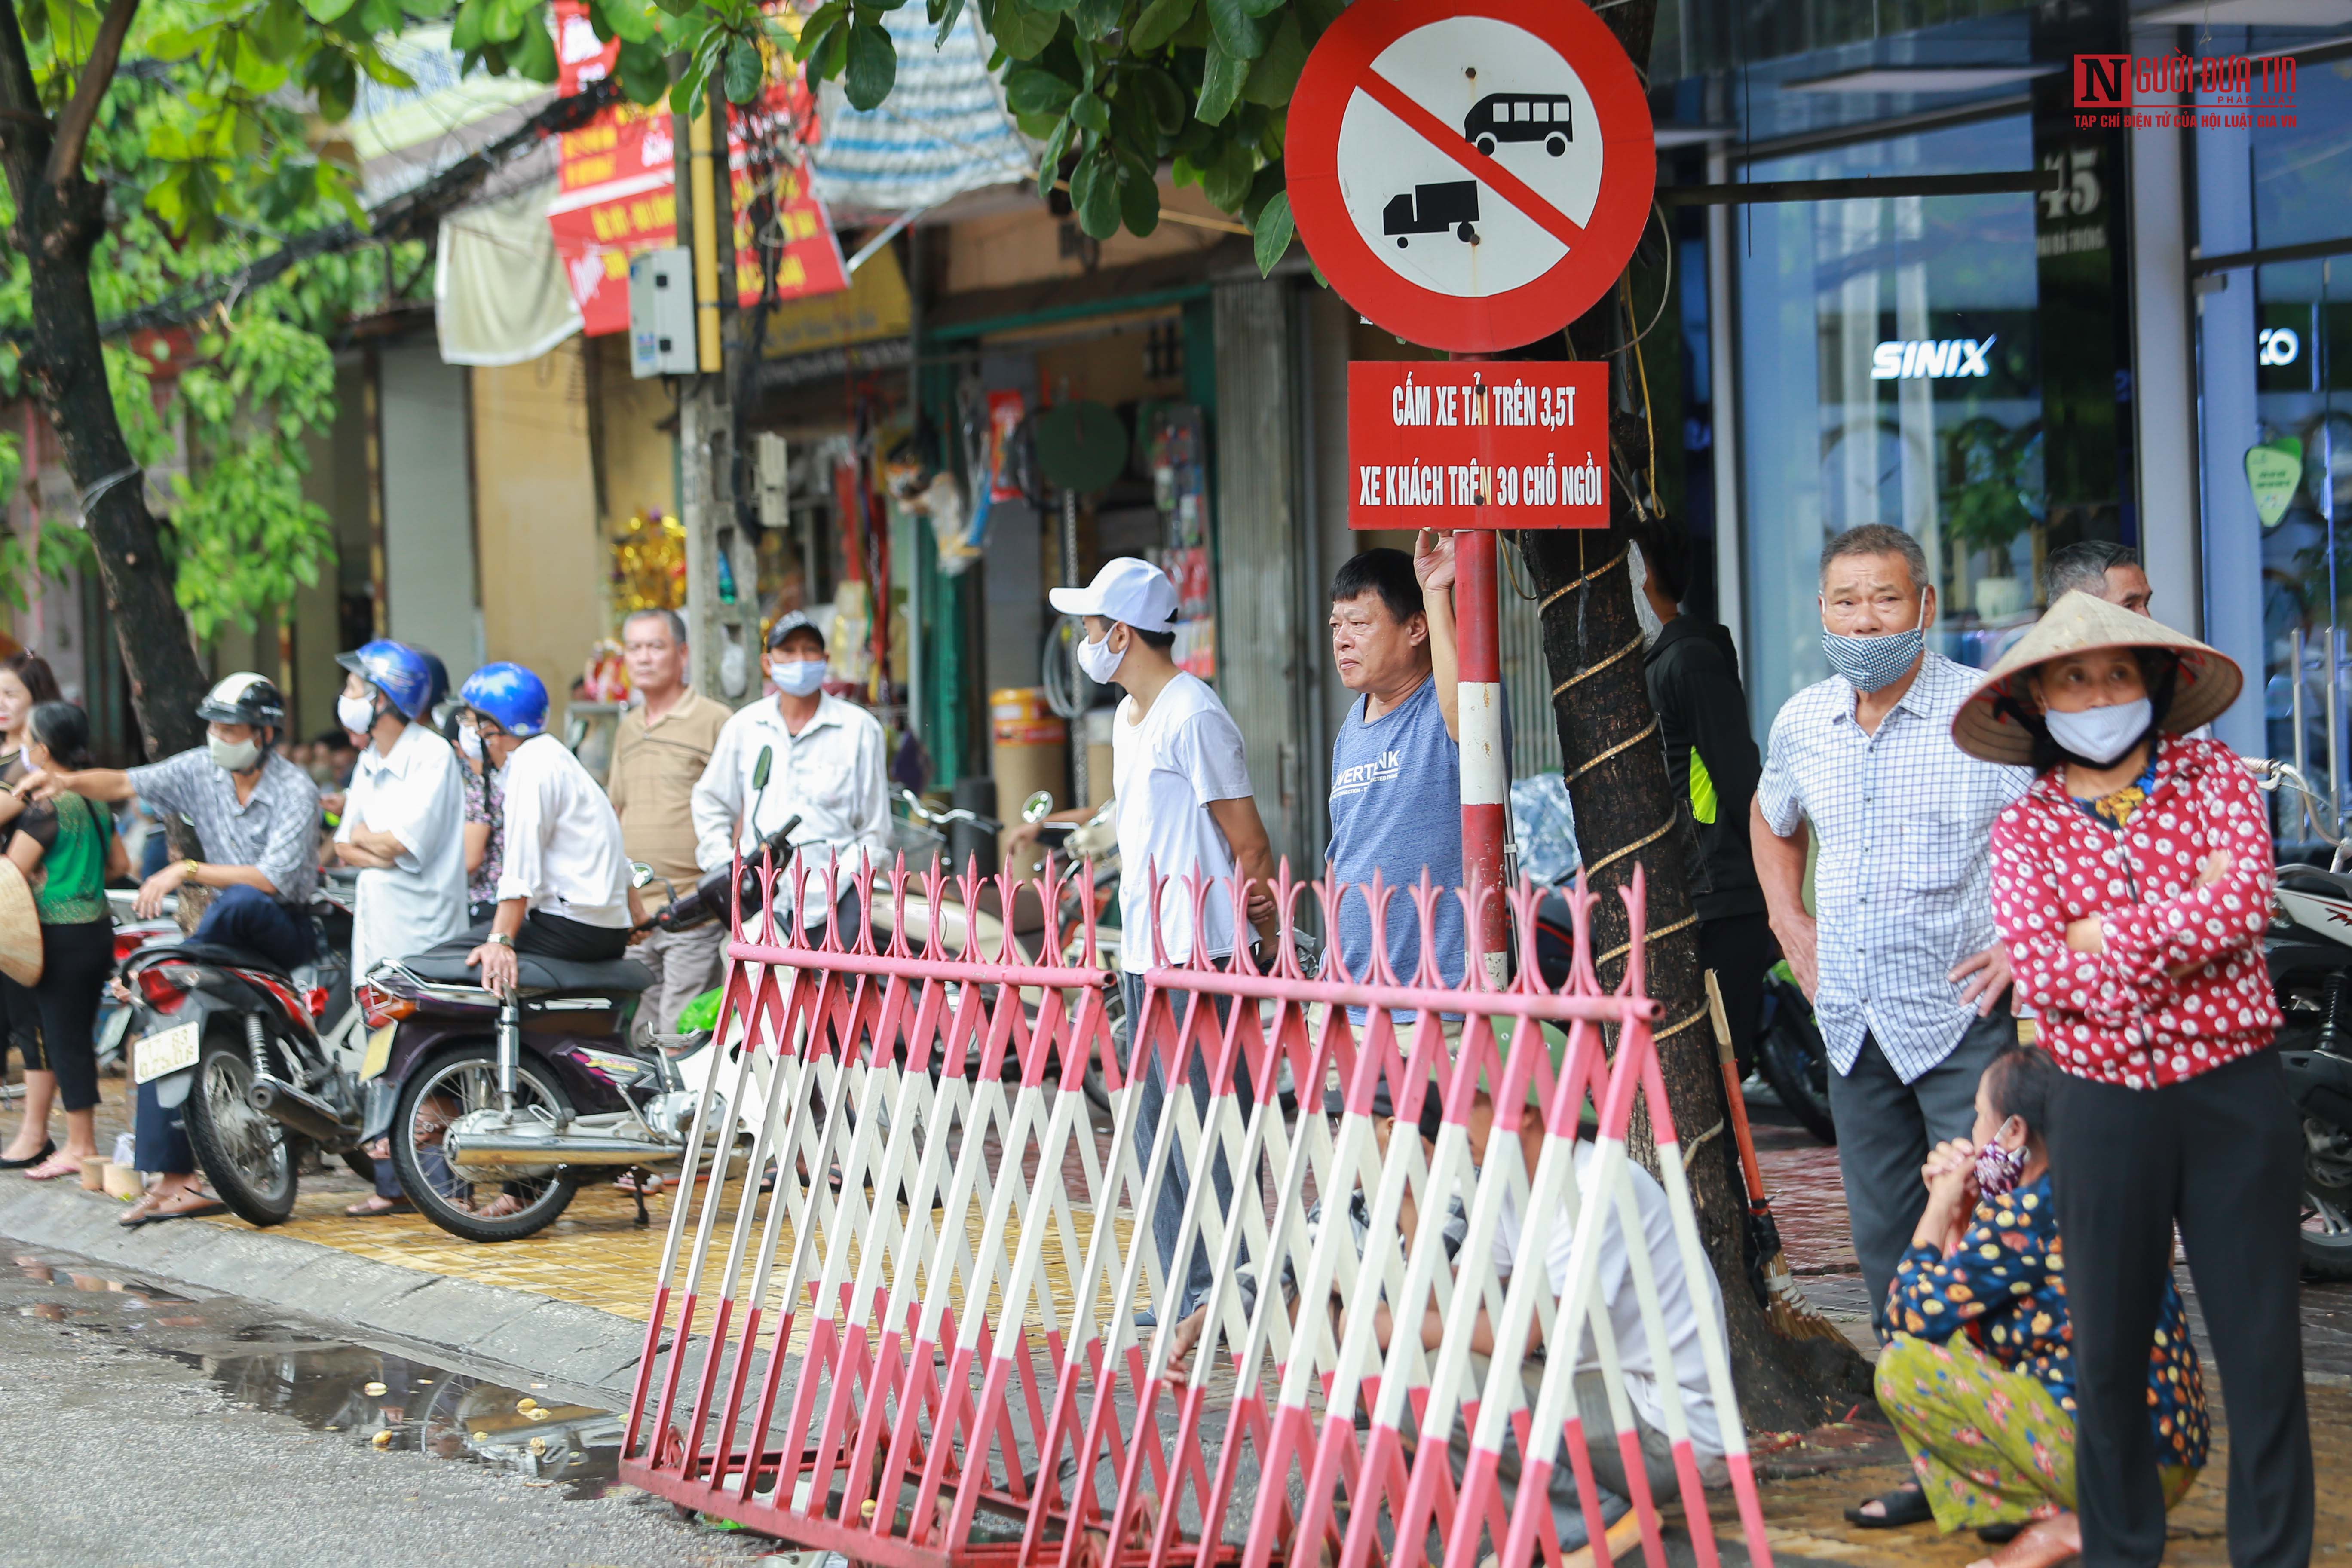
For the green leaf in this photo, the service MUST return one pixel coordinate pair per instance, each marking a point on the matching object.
(1270, 236)
(745, 72)
(645, 75)
(813, 33)
(628, 20)
(1032, 89)
(1098, 18)
(327, 10)
(873, 67)
(1094, 191)
(1158, 23)
(947, 17)
(1314, 15)
(1245, 37)
(1037, 127)
(1091, 113)
(1138, 200)
(1022, 33)
(1274, 76)
(465, 34)
(1221, 78)
(1049, 162)
(1226, 182)
(532, 52)
(1157, 92)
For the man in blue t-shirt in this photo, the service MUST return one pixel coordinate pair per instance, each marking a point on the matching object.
(1396, 763)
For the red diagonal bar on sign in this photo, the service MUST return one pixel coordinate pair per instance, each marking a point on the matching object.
(1456, 146)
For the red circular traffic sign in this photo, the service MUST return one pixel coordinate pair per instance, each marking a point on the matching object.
(1470, 174)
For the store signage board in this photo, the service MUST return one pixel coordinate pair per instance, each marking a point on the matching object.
(1470, 174)
(1477, 444)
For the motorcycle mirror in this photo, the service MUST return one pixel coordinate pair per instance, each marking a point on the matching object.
(639, 873)
(1037, 807)
(767, 760)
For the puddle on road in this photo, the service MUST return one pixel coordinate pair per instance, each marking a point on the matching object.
(385, 1401)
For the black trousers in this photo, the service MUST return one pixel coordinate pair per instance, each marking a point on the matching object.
(576, 942)
(2221, 1154)
(74, 962)
(20, 1024)
(1739, 949)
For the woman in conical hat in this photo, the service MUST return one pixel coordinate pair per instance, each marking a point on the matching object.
(2132, 886)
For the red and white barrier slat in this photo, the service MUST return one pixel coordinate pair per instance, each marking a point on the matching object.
(921, 1346)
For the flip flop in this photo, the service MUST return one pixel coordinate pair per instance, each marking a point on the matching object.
(48, 1147)
(362, 1211)
(194, 1211)
(57, 1167)
(1904, 1506)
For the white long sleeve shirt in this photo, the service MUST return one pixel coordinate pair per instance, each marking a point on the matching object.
(831, 774)
(563, 853)
(415, 793)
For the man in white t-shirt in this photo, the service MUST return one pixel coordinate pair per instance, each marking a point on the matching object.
(1184, 810)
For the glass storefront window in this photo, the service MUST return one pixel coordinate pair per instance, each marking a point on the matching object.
(1890, 373)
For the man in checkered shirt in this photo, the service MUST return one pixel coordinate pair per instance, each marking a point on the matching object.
(1908, 984)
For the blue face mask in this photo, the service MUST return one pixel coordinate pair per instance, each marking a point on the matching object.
(1866, 664)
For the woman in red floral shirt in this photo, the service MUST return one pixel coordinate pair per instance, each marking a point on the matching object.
(2132, 887)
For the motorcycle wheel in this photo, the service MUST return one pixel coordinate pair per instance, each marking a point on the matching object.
(2327, 1202)
(446, 1088)
(1792, 1059)
(249, 1158)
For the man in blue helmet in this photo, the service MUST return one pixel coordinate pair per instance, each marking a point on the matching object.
(403, 826)
(564, 890)
(403, 822)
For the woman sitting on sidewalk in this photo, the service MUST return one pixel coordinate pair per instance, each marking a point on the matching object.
(1978, 1379)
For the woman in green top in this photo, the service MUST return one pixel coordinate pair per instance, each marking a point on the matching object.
(66, 849)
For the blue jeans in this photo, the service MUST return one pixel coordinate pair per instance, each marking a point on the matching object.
(250, 918)
(1168, 1213)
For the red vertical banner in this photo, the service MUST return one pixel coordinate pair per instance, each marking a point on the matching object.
(613, 195)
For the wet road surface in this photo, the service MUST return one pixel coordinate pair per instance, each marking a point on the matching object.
(147, 1426)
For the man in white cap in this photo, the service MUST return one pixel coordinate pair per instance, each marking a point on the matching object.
(1184, 810)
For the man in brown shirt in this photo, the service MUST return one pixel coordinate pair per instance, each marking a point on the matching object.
(664, 743)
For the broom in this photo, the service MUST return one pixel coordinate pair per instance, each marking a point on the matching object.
(1785, 1306)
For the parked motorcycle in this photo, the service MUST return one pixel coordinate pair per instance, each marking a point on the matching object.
(2309, 954)
(265, 1060)
(499, 1109)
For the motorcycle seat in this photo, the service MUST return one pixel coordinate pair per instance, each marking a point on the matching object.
(227, 957)
(2299, 878)
(445, 965)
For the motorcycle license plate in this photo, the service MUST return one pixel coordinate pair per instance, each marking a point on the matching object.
(379, 1052)
(166, 1051)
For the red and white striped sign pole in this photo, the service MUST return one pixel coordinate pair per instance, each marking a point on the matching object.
(1485, 769)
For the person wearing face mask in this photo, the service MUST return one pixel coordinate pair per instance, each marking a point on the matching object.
(256, 817)
(2133, 885)
(827, 766)
(1907, 982)
(403, 825)
(1693, 673)
(1981, 1379)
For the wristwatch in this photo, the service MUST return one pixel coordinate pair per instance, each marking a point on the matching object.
(500, 938)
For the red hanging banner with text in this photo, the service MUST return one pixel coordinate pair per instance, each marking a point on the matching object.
(1477, 444)
(613, 195)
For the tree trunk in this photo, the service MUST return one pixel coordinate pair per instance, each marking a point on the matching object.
(57, 227)
(1625, 816)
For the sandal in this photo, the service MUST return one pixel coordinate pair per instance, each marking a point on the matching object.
(55, 1166)
(367, 1207)
(140, 1213)
(1906, 1505)
(204, 1204)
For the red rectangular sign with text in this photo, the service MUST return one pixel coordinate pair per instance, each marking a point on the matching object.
(1479, 444)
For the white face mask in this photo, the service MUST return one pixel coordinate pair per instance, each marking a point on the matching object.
(1099, 662)
(470, 740)
(236, 756)
(798, 677)
(356, 714)
(2100, 735)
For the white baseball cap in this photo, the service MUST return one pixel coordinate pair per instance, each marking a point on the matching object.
(1129, 589)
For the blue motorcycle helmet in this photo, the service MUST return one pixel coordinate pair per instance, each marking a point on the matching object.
(395, 669)
(508, 695)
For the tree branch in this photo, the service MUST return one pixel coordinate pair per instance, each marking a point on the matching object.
(96, 75)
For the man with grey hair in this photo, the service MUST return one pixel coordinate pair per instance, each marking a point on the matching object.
(665, 741)
(1908, 983)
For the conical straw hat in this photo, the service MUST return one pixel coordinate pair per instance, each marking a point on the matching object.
(20, 927)
(2208, 681)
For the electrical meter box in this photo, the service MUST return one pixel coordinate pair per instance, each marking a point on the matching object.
(661, 313)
